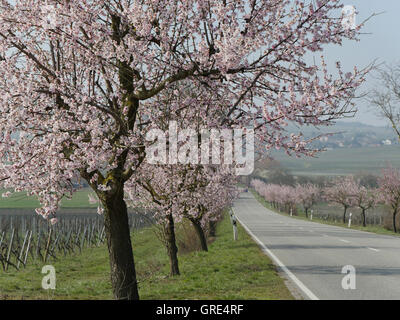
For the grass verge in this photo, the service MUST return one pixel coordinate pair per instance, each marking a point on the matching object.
(230, 270)
(302, 216)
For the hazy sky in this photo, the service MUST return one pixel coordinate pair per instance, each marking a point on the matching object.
(381, 43)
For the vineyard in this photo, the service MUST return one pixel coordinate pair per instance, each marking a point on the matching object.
(25, 238)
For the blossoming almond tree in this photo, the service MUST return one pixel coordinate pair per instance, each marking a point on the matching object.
(279, 196)
(389, 187)
(308, 195)
(174, 192)
(191, 188)
(342, 191)
(158, 190)
(77, 76)
(365, 199)
(214, 191)
(287, 198)
(268, 191)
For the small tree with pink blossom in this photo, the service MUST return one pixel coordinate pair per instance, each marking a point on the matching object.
(365, 199)
(307, 194)
(389, 187)
(270, 192)
(175, 192)
(342, 191)
(287, 198)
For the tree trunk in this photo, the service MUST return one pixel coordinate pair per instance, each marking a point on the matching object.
(200, 234)
(213, 228)
(306, 212)
(123, 274)
(172, 249)
(344, 214)
(394, 221)
(364, 218)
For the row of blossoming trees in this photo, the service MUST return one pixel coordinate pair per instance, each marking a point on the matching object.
(83, 82)
(344, 191)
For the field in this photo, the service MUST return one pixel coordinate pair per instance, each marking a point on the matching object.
(230, 270)
(342, 161)
(22, 201)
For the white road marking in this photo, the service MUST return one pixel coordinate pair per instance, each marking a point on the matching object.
(373, 249)
(300, 284)
(344, 241)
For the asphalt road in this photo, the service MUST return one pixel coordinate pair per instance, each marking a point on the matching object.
(313, 254)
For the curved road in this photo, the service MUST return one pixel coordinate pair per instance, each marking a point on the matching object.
(314, 254)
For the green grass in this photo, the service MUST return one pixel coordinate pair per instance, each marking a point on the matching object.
(230, 270)
(302, 216)
(20, 200)
(343, 161)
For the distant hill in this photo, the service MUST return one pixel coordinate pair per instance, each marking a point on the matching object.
(349, 135)
(355, 148)
(342, 161)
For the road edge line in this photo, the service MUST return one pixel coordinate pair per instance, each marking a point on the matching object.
(269, 253)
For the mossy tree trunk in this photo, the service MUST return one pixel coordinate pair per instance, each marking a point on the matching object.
(200, 233)
(170, 243)
(363, 217)
(344, 214)
(123, 274)
(212, 228)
